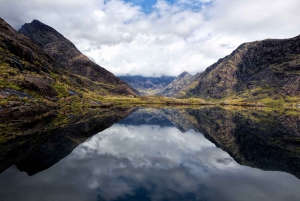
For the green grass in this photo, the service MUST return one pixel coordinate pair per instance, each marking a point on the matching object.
(10, 85)
(61, 89)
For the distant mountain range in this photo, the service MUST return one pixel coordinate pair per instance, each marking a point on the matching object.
(164, 86)
(148, 85)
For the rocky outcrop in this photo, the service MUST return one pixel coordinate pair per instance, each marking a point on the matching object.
(7, 93)
(268, 68)
(19, 108)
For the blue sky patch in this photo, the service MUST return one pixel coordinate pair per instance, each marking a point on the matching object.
(147, 5)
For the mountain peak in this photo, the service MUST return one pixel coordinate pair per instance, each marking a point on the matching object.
(68, 56)
(183, 74)
(41, 33)
(35, 21)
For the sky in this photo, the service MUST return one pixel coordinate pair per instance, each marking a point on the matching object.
(158, 37)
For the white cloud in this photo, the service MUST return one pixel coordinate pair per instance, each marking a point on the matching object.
(170, 39)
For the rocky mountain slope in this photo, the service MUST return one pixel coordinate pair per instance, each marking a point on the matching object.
(70, 58)
(148, 85)
(254, 71)
(178, 84)
(25, 74)
(32, 81)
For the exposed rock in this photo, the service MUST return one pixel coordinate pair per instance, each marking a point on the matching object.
(17, 109)
(39, 84)
(6, 93)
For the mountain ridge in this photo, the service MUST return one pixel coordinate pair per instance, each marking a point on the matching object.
(70, 58)
(256, 69)
(33, 82)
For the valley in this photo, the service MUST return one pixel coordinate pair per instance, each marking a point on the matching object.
(41, 70)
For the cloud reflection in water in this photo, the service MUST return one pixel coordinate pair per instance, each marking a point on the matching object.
(150, 162)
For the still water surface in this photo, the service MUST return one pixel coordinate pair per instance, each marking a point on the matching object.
(151, 156)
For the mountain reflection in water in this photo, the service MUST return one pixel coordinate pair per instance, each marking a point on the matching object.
(163, 154)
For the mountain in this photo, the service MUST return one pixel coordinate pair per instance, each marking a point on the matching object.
(254, 71)
(26, 83)
(32, 81)
(178, 84)
(147, 85)
(70, 58)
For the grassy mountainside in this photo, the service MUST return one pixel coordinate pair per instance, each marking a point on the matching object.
(261, 70)
(148, 85)
(32, 81)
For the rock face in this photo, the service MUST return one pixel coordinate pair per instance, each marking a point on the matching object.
(254, 70)
(148, 85)
(178, 84)
(70, 58)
